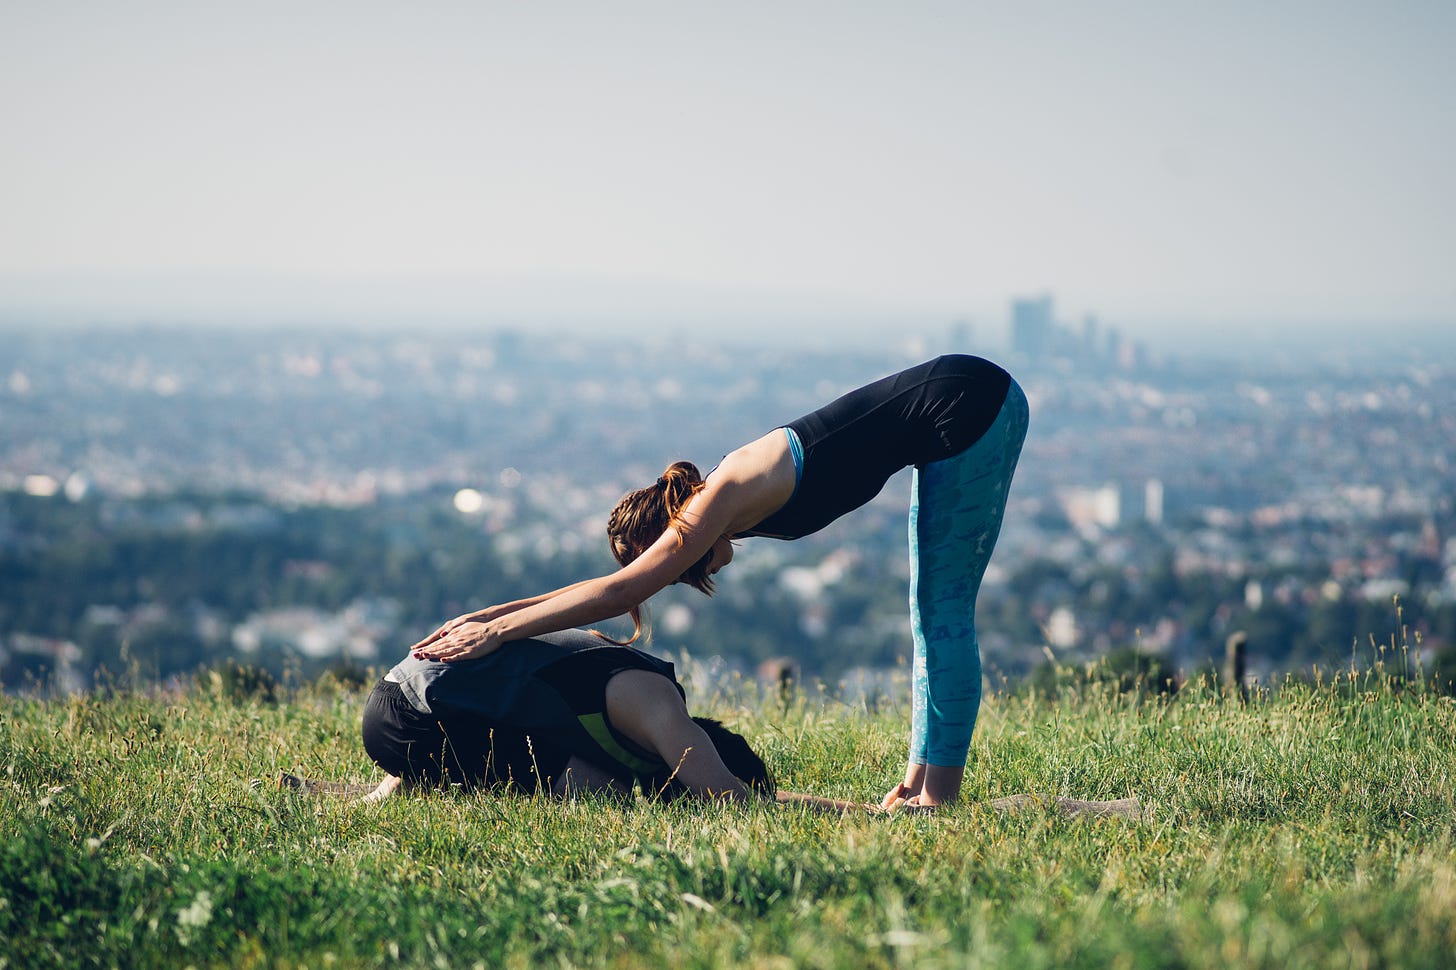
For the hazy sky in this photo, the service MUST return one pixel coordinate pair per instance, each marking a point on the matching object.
(1191, 162)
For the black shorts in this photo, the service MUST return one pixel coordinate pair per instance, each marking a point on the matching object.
(424, 749)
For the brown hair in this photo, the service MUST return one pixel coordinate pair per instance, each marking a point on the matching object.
(643, 515)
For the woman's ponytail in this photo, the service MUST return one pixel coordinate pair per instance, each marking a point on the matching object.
(678, 484)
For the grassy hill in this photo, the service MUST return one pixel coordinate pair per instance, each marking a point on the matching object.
(1314, 825)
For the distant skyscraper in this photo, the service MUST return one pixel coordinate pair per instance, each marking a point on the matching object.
(1032, 327)
(1153, 501)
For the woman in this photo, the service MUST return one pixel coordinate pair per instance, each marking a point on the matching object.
(959, 421)
(563, 713)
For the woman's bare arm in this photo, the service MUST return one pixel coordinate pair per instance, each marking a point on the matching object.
(647, 708)
(750, 483)
(729, 499)
(591, 601)
(492, 612)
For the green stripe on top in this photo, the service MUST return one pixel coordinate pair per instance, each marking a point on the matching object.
(596, 726)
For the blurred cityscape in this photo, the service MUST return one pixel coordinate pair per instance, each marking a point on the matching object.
(170, 497)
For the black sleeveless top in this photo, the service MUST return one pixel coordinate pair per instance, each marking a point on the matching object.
(852, 446)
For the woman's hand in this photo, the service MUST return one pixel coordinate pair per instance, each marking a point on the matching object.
(489, 613)
(460, 639)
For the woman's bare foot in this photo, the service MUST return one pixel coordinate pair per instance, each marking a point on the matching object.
(387, 787)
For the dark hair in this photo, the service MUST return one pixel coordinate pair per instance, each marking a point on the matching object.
(737, 755)
(643, 515)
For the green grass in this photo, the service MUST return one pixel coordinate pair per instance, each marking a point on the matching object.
(1309, 827)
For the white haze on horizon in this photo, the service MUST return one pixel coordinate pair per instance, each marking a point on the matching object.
(1188, 173)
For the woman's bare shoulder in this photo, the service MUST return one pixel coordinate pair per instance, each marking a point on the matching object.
(760, 476)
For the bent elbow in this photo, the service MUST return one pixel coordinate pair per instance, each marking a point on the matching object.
(623, 596)
(614, 602)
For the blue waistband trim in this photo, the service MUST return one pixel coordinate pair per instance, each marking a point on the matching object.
(797, 448)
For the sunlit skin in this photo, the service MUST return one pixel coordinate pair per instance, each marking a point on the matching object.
(749, 484)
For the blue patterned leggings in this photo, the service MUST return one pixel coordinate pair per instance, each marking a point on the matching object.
(955, 516)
